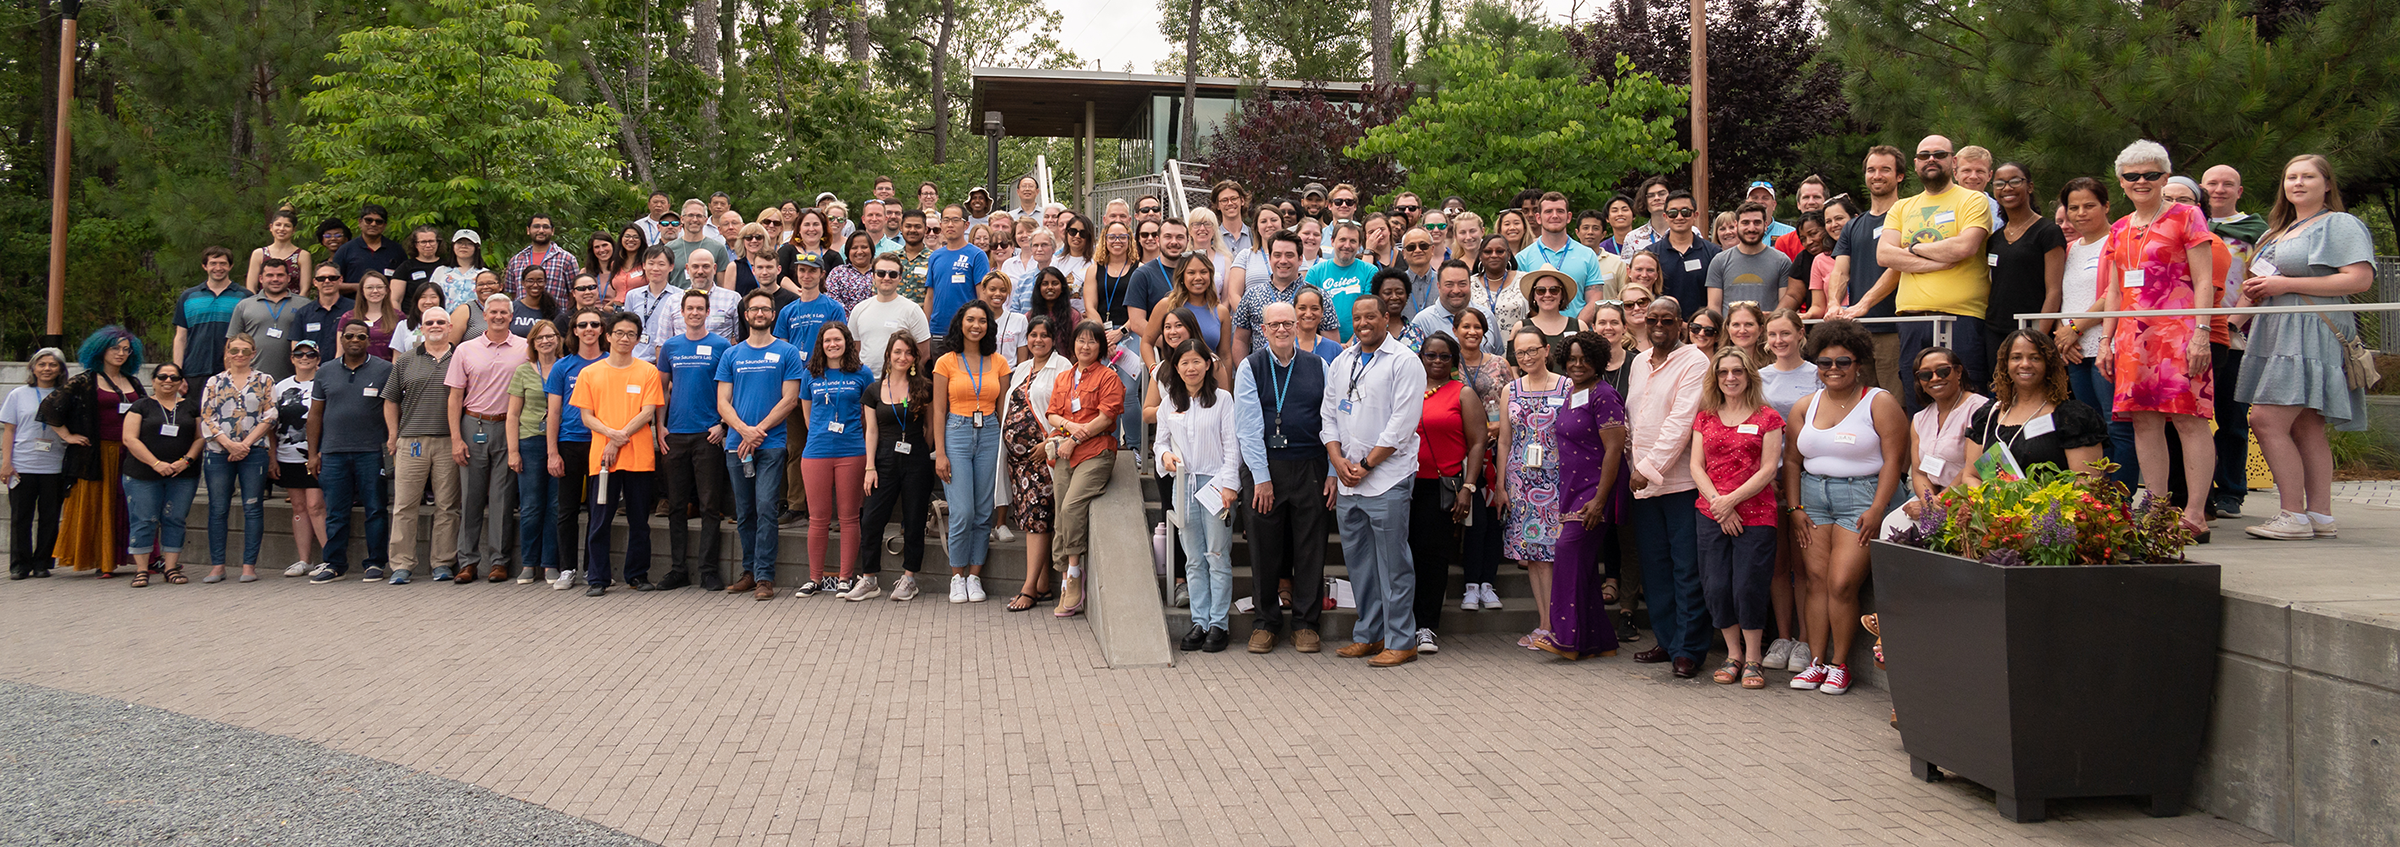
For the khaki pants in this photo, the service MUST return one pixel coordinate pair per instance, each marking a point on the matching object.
(1888, 364)
(423, 460)
(1078, 486)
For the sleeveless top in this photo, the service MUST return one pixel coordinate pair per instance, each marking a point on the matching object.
(1850, 448)
(1113, 292)
(1442, 433)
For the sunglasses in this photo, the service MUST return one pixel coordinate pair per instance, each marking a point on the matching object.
(1147, 210)
(369, 221)
(1936, 372)
(2144, 176)
(333, 278)
(1540, 290)
(1681, 213)
(754, 238)
(1703, 329)
(1437, 227)
(167, 378)
(1417, 246)
(588, 325)
(887, 274)
(1344, 201)
(1923, 155)
(1835, 362)
(1407, 209)
(304, 354)
(587, 288)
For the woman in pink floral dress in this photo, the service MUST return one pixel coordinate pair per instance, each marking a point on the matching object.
(2161, 365)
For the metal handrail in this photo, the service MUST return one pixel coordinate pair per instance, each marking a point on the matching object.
(2225, 310)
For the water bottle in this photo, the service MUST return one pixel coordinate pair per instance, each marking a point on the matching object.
(749, 469)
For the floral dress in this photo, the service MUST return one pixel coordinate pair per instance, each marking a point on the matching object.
(2150, 353)
(849, 285)
(1533, 495)
(1031, 497)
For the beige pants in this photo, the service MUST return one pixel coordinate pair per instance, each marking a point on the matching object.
(1078, 486)
(423, 460)
(1887, 362)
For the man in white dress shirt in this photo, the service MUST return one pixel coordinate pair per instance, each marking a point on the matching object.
(1374, 393)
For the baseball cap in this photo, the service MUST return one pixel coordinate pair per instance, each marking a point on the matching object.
(467, 234)
(823, 196)
(1769, 186)
(1315, 188)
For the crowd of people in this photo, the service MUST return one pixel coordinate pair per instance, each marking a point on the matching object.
(1734, 411)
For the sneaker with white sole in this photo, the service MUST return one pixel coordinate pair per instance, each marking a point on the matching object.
(2287, 526)
(866, 588)
(323, 574)
(1425, 643)
(1001, 534)
(958, 588)
(842, 586)
(1837, 679)
(2325, 528)
(905, 589)
(975, 589)
(299, 569)
(399, 577)
(1778, 654)
(549, 574)
(563, 581)
(811, 587)
(1182, 598)
(373, 574)
(528, 575)
(1810, 678)
(1471, 600)
(1801, 656)
(1491, 599)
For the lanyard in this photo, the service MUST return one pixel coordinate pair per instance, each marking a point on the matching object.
(975, 374)
(1365, 360)
(900, 413)
(275, 310)
(1110, 298)
(1282, 383)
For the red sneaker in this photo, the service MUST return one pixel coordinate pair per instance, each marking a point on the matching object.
(1837, 679)
(1810, 678)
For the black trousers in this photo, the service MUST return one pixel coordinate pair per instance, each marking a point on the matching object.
(35, 503)
(632, 493)
(903, 484)
(573, 493)
(1289, 540)
(695, 471)
(1433, 542)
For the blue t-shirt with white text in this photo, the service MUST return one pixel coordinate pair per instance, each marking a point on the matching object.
(836, 428)
(690, 369)
(950, 278)
(757, 375)
(800, 319)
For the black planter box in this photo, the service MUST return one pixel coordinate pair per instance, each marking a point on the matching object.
(2050, 682)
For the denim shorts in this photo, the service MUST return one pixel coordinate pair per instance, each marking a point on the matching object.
(1837, 500)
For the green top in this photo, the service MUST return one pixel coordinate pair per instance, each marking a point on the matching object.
(527, 383)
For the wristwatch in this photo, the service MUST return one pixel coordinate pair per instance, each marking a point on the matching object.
(1468, 487)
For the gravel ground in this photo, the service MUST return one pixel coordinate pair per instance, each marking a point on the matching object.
(78, 769)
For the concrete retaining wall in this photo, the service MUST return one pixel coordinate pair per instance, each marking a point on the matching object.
(2304, 743)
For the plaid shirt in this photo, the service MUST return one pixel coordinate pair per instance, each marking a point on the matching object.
(558, 270)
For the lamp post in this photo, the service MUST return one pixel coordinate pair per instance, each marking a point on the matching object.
(54, 325)
(992, 131)
(1700, 108)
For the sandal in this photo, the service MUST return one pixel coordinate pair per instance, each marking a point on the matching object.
(1550, 645)
(1608, 592)
(1752, 677)
(173, 575)
(1030, 602)
(1874, 627)
(106, 575)
(141, 579)
(1727, 675)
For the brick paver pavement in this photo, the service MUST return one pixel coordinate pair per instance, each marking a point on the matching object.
(695, 719)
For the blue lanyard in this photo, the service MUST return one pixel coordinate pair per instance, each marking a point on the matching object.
(1106, 296)
(1365, 360)
(1282, 383)
(899, 413)
(974, 374)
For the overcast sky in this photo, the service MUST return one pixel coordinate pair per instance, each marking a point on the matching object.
(1120, 31)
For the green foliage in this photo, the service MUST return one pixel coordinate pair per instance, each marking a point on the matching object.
(2063, 85)
(1267, 39)
(1496, 132)
(455, 123)
(1516, 34)
(2361, 451)
(2052, 516)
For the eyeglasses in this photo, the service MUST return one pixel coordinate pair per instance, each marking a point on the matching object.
(2010, 183)
(1681, 213)
(1121, 239)
(1437, 357)
(1283, 324)
(1936, 372)
(588, 325)
(1923, 155)
(882, 274)
(1829, 363)
(2144, 176)
(761, 309)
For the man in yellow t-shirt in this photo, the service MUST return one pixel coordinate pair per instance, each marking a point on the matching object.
(618, 398)
(1935, 240)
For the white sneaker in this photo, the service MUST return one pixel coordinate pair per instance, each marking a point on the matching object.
(1425, 643)
(1778, 654)
(1491, 599)
(1471, 599)
(1801, 657)
(299, 569)
(565, 580)
(958, 589)
(1182, 598)
(975, 589)
(905, 589)
(2287, 526)
(1001, 534)
(2325, 528)
(867, 588)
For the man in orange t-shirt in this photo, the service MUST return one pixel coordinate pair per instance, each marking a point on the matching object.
(618, 398)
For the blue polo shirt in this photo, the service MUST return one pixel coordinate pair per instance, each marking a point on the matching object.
(561, 384)
(834, 401)
(799, 321)
(1342, 286)
(757, 375)
(1578, 262)
(950, 277)
(690, 369)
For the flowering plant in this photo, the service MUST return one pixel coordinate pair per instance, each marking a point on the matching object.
(2048, 517)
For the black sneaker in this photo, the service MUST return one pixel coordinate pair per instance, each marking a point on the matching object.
(842, 586)
(323, 574)
(1194, 639)
(596, 590)
(810, 588)
(1217, 639)
(372, 574)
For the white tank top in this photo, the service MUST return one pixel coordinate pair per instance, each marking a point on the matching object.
(1850, 448)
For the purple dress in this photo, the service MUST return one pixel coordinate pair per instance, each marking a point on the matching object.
(1578, 617)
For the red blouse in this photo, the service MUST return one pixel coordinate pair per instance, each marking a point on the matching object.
(1731, 454)
(1442, 434)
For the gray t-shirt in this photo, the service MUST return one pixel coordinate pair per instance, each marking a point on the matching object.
(682, 250)
(37, 449)
(273, 325)
(353, 405)
(1747, 277)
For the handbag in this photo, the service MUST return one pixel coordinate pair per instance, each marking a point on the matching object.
(1450, 489)
(2358, 362)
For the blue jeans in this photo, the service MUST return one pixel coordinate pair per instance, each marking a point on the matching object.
(223, 473)
(1383, 573)
(754, 508)
(1670, 552)
(354, 479)
(2092, 388)
(537, 505)
(1207, 541)
(155, 510)
(974, 466)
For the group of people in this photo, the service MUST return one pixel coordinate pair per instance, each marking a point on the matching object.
(1565, 393)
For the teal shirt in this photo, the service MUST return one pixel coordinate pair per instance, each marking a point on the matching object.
(1342, 285)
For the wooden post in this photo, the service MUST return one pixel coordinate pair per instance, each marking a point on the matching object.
(1700, 111)
(54, 326)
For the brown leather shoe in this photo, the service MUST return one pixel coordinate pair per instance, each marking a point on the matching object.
(741, 585)
(1392, 658)
(765, 590)
(1356, 650)
(497, 575)
(1307, 640)
(1686, 668)
(466, 576)
(1262, 641)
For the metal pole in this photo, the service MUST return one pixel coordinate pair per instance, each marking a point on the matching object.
(54, 327)
(991, 158)
(1700, 109)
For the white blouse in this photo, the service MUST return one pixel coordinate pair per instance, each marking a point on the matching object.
(1203, 438)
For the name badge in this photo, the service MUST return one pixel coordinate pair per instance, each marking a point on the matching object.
(1556, 402)
(903, 448)
(1533, 456)
(369, 391)
(2040, 426)
(41, 447)
(2133, 278)
(1933, 465)
(1992, 259)
(274, 332)
(169, 430)
(892, 324)
(774, 357)
(706, 350)
(2262, 267)
(1747, 429)
(1174, 416)
(633, 389)
(833, 426)
(1691, 265)
(1944, 216)
(122, 408)
(1346, 409)
(978, 420)
(1845, 438)
(481, 438)
(634, 275)
(1579, 398)
(958, 278)
(316, 327)
(1075, 404)
(1278, 442)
